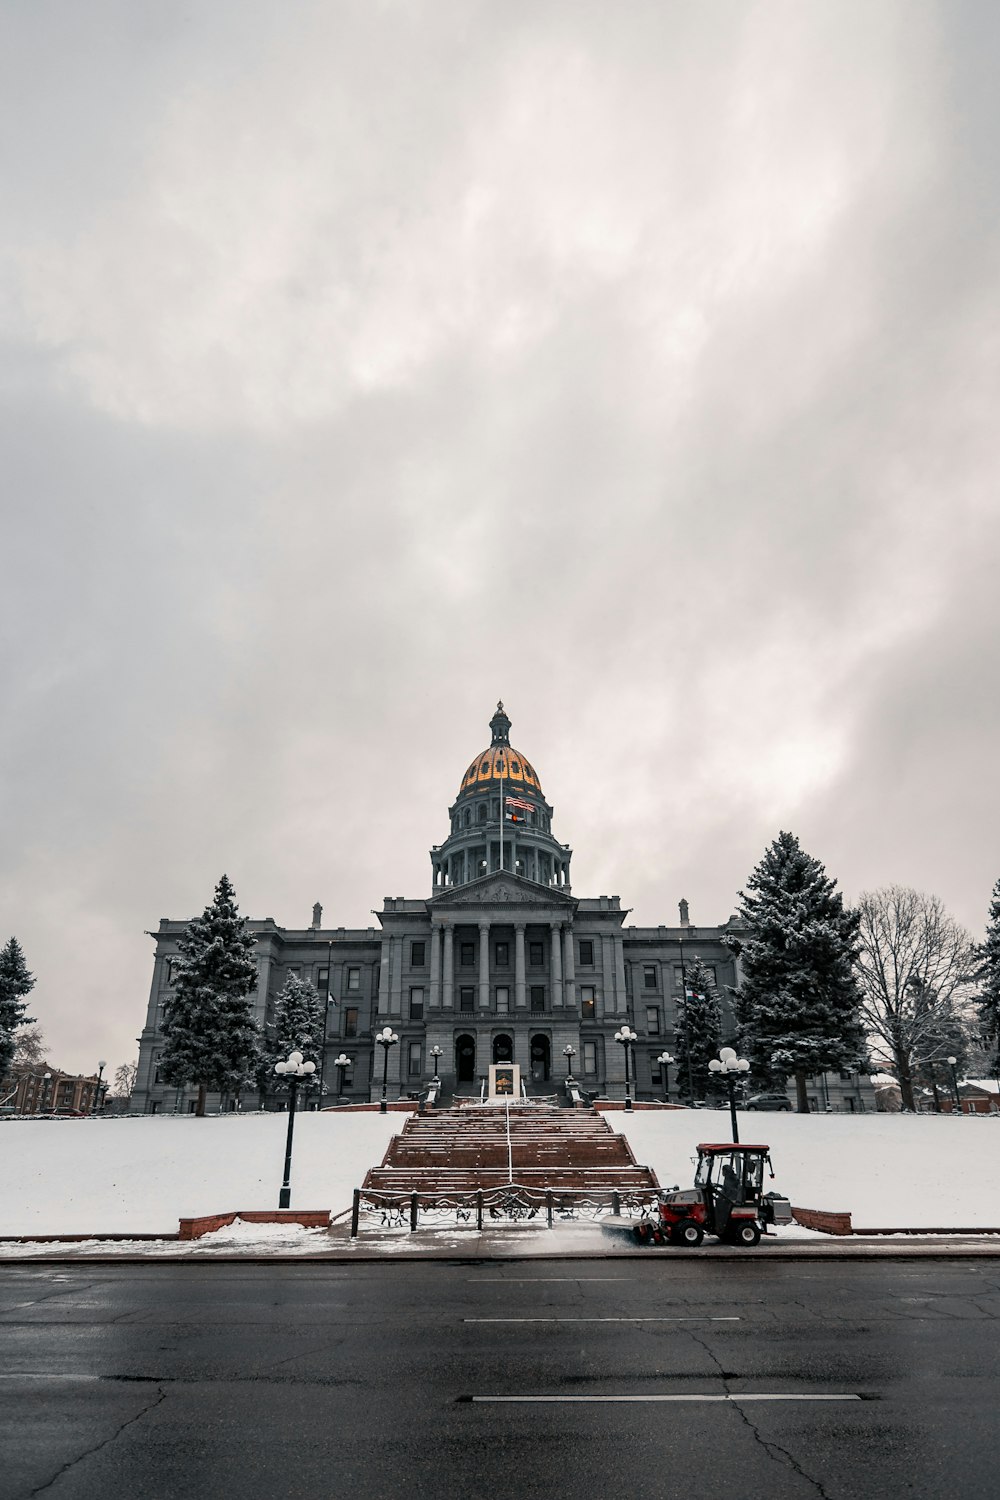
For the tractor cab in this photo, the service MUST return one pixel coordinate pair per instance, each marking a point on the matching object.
(727, 1200)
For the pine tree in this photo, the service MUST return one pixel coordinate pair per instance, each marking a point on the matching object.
(299, 1016)
(988, 974)
(699, 1028)
(797, 1005)
(15, 983)
(209, 1029)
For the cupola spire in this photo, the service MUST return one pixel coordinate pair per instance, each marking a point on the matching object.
(500, 726)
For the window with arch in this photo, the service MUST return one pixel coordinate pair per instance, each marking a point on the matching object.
(467, 817)
(481, 814)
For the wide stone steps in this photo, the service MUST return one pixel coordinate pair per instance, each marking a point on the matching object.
(464, 1150)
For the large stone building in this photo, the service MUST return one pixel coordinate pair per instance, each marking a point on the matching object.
(500, 962)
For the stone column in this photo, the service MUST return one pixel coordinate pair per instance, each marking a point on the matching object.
(484, 965)
(435, 995)
(396, 993)
(383, 981)
(555, 962)
(621, 992)
(449, 966)
(569, 968)
(608, 1007)
(520, 997)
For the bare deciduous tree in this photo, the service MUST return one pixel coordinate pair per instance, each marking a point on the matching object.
(124, 1083)
(915, 967)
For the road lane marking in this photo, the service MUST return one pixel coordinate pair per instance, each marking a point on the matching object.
(530, 1280)
(30, 1375)
(734, 1399)
(600, 1320)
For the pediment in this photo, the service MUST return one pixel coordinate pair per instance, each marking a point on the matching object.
(502, 890)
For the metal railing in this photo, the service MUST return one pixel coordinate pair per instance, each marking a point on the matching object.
(508, 1203)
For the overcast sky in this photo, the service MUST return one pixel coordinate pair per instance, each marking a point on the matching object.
(366, 362)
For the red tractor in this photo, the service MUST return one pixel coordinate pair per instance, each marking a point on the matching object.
(727, 1200)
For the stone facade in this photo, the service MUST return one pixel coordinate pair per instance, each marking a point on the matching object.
(501, 961)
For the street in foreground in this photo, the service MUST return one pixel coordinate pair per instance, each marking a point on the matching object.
(416, 1379)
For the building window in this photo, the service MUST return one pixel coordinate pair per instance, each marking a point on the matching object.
(587, 952)
(536, 955)
(169, 971)
(468, 956)
(351, 1021)
(481, 814)
(503, 955)
(413, 1059)
(538, 997)
(587, 1002)
(652, 1020)
(417, 959)
(503, 999)
(467, 1000)
(649, 977)
(417, 1004)
(354, 979)
(590, 1057)
(323, 981)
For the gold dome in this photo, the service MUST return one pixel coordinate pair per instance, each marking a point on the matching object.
(501, 760)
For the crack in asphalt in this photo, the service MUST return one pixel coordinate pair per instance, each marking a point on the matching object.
(772, 1449)
(160, 1396)
(37, 1301)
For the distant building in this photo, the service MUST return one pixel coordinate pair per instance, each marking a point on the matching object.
(48, 1091)
(499, 962)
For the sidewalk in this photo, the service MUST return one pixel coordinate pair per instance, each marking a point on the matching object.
(509, 1242)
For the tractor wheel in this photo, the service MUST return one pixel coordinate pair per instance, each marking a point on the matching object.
(746, 1234)
(687, 1233)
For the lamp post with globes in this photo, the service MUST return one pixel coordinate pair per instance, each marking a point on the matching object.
(341, 1063)
(96, 1100)
(954, 1084)
(728, 1064)
(386, 1039)
(293, 1070)
(436, 1052)
(664, 1060)
(569, 1053)
(626, 1036)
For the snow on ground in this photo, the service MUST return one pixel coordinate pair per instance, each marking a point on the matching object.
(888, 1171)
(108, 1176)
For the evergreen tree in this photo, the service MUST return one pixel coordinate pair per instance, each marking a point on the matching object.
(299, 1017)
(15, 983)
(698, 1031)
(797, 1006)
(988, 974)
(209, 1029)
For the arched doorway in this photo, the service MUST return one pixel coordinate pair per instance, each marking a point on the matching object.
(503, 1048)
(465, 1058)
(541, 1059)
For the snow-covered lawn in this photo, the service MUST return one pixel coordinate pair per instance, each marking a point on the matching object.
(142, 1175)
(888, 1171)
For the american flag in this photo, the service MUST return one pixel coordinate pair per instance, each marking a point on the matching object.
(519, 804)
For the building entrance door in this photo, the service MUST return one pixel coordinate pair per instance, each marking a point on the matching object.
(503, 1049)
(465, 1058)
(541, 1059)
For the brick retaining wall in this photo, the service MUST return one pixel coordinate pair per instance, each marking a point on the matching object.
(309, 1218)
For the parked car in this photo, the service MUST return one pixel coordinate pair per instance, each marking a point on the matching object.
(768, 1101)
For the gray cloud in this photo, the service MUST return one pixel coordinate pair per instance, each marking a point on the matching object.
(371, 362)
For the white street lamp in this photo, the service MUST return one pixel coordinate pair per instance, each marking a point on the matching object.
(293, 1069)
(954, 1084)
(569, 1053)
(665, 1059)
(385, 1039)
(626, 1037)
(728, 1064)
(343, 1062)
(436, 1052)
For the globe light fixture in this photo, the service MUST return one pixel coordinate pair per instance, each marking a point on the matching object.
(665, 1059)
(293, 1068)
(626, 1036)
(436, 1052)
(385, 1039)
(569, 1053)
(341, 1063)
(729, 1065)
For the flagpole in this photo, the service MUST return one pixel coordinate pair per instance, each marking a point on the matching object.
(501, 811)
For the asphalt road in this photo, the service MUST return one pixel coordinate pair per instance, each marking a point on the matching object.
(164, 1382)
